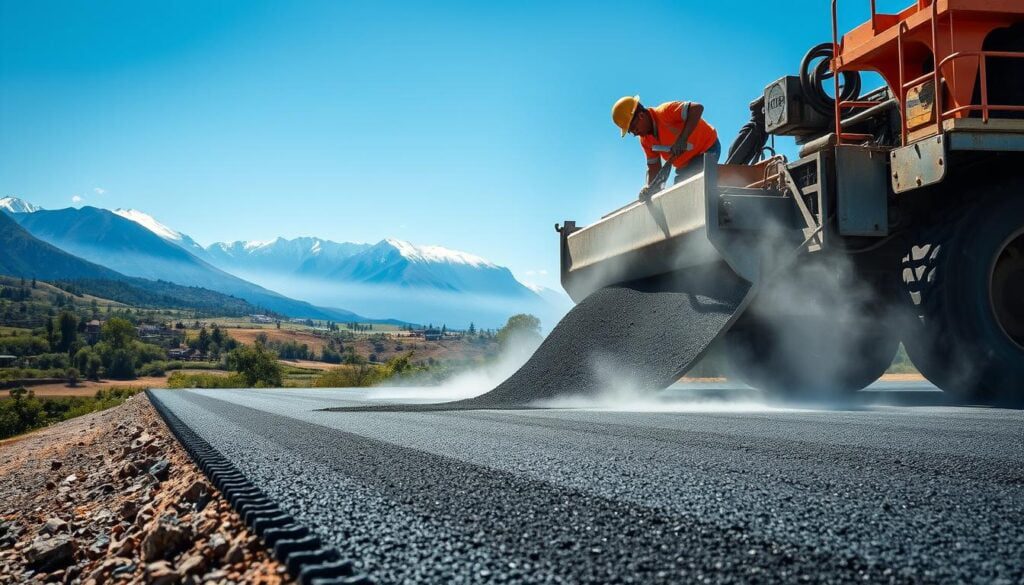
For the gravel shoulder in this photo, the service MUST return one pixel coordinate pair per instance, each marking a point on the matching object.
(111, 497)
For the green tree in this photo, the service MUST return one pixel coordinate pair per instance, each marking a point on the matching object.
(122, 365)
(399, 366)
(203, 340)
(81, 359)
(352, 358)
(67, 325)
(92, 367)
(257, 366)
(118, 333)
(521, 328)
(472, 328)
(217, 336)
(50, 332)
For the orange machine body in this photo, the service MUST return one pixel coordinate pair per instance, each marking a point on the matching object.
(903, 48)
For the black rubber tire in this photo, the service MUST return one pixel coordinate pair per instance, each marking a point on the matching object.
(819, 330)
(832, 362)
(954, 337)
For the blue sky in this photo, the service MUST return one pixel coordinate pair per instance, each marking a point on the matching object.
(473, 125)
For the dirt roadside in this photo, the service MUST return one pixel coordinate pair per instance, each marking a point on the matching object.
(89, 388)
(111, 497)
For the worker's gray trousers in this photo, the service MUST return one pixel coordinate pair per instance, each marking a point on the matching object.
(697, 164)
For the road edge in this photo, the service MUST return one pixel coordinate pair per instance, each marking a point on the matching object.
(293, 544)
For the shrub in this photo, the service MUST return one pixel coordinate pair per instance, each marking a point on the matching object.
(152, 369)
(192, 380)
(51, 361)
(23, 345)
(330, 356)
(146, 352)
(350, 376)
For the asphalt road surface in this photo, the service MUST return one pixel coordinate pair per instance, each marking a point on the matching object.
(705, 483)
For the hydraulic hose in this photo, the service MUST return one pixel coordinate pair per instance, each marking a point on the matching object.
(746, 149)
(812, 80)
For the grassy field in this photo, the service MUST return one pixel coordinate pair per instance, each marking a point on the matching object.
(248, 336)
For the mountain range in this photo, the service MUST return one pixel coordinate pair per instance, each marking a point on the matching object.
(389, 262)
(389, 279)
(22, 255)
(107, 239)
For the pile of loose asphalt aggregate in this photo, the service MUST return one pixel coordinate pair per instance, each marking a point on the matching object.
(925, 494)
(643, 335)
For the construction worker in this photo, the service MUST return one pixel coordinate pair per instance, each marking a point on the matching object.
(674, 132)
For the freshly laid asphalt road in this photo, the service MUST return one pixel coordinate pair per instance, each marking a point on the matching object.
(702, 485)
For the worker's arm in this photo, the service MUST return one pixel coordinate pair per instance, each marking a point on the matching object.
(653, 166)
(652, 169)
(692, 113)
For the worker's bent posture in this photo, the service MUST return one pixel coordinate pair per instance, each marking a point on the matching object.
(674, 132)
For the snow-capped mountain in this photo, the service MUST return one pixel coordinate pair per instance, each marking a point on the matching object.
(399, 263)
(390, 262)
(436, 254)
(113, 241)
(15, 205)
(281, 254)
(150, 223)
(393, 277)
(390, 279)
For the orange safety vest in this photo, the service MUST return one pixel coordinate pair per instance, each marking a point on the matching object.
(669, 119)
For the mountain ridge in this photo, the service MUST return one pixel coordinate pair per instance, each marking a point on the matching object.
(391, 278)
(108, 239)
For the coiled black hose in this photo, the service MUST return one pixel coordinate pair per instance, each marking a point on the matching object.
(812, 80)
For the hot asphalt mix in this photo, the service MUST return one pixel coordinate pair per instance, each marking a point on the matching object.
(728, 492)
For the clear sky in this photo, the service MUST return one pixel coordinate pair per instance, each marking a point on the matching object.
(473, 125)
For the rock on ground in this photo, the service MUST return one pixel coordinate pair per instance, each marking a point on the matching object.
(111, 497)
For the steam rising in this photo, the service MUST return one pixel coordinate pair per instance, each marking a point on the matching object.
(516, 352)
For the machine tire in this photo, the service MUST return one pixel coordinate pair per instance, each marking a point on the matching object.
(761, 357)
(965, 282)
(818, 331)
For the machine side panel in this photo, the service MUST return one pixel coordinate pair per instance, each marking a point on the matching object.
(862, 190)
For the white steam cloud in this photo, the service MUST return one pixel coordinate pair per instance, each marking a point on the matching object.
(467, 384)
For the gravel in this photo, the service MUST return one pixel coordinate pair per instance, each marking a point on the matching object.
(111, 497)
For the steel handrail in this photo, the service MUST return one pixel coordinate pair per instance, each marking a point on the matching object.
(941, 114)
(984, 106)
(839, 104)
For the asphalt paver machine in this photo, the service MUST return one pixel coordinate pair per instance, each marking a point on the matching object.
(902, 220)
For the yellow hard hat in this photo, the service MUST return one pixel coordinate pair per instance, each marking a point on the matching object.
(623, 111)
